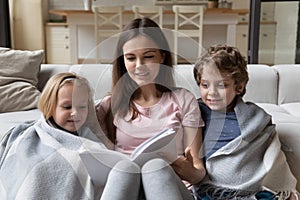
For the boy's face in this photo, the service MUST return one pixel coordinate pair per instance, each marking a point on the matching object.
(72, 107)
(218, 89)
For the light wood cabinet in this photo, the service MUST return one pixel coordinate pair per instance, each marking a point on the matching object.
(58, 43)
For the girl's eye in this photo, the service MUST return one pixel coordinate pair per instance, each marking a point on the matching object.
(83, 107)
(67, 107)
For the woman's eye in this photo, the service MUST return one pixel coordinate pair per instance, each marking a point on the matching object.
(150, 56)
(130, 58)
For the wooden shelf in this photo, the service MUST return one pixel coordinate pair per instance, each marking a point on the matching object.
(207, 10)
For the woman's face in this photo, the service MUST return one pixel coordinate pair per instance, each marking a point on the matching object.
(142, 59)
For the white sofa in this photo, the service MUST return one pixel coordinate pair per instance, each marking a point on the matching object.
(273, 88)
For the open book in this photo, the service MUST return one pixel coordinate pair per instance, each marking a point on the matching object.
(99, 164)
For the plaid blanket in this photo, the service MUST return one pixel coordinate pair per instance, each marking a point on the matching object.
(38, 161)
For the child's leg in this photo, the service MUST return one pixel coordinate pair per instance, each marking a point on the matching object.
(123, 182)
(161, 182)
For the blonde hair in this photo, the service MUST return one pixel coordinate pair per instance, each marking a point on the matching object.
(48, 99)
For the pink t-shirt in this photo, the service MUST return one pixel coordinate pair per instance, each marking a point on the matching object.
(176, 109)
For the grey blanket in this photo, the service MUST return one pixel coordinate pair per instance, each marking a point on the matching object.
(254, 160)
(38, 161)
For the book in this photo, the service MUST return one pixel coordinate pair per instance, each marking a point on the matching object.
(99, 164)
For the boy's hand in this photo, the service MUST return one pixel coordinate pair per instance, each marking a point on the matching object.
(186, 170)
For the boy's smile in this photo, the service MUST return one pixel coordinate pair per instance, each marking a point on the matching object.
(217, 89)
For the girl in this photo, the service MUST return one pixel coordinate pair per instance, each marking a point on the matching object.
(44, 155)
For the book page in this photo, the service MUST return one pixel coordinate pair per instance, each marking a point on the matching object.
(162, 145)
(100, 163)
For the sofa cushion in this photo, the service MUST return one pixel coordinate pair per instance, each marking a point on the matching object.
(263, 84)
(288, 82)
(184, 77)
(48, 70)
(11, 119)
(279, 113)
(99, 76)
(290, 140)
(292, 108)
(19, 78)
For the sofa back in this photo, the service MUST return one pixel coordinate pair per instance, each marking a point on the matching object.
(99, 76)
(48, 70)
(274, 85)
(262, 86)
(289, 80)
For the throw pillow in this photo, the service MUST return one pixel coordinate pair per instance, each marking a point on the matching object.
(18, 79)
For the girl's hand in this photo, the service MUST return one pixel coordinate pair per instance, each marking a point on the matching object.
(186, 170)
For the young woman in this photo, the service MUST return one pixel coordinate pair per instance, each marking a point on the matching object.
(144, 100)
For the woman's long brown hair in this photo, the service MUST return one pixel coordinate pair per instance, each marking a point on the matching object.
(124, 89)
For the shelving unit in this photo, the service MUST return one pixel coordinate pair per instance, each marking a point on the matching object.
(58, 43)
(180, 2)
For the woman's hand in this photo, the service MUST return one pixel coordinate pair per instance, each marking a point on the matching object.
(186, 170)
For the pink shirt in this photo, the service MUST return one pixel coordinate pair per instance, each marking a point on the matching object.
(175, 110)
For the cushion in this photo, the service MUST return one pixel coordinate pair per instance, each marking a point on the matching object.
(18, 79)
(288, 82)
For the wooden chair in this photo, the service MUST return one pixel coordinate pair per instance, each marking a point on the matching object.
(153, 12)
(108, 22)
(188, 23)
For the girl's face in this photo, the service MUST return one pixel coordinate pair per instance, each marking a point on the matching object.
(72, 107)
(218, 89)
(142, 59)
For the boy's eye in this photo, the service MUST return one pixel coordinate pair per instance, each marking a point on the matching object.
(221, 85)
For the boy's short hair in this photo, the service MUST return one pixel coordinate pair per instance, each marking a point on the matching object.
(226, 59)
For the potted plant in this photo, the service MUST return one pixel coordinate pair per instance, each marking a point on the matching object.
(212, 3)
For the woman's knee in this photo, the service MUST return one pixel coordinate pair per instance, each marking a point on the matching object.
(127, 166)
(154, 165)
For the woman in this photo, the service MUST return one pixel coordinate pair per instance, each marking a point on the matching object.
(144, 100)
